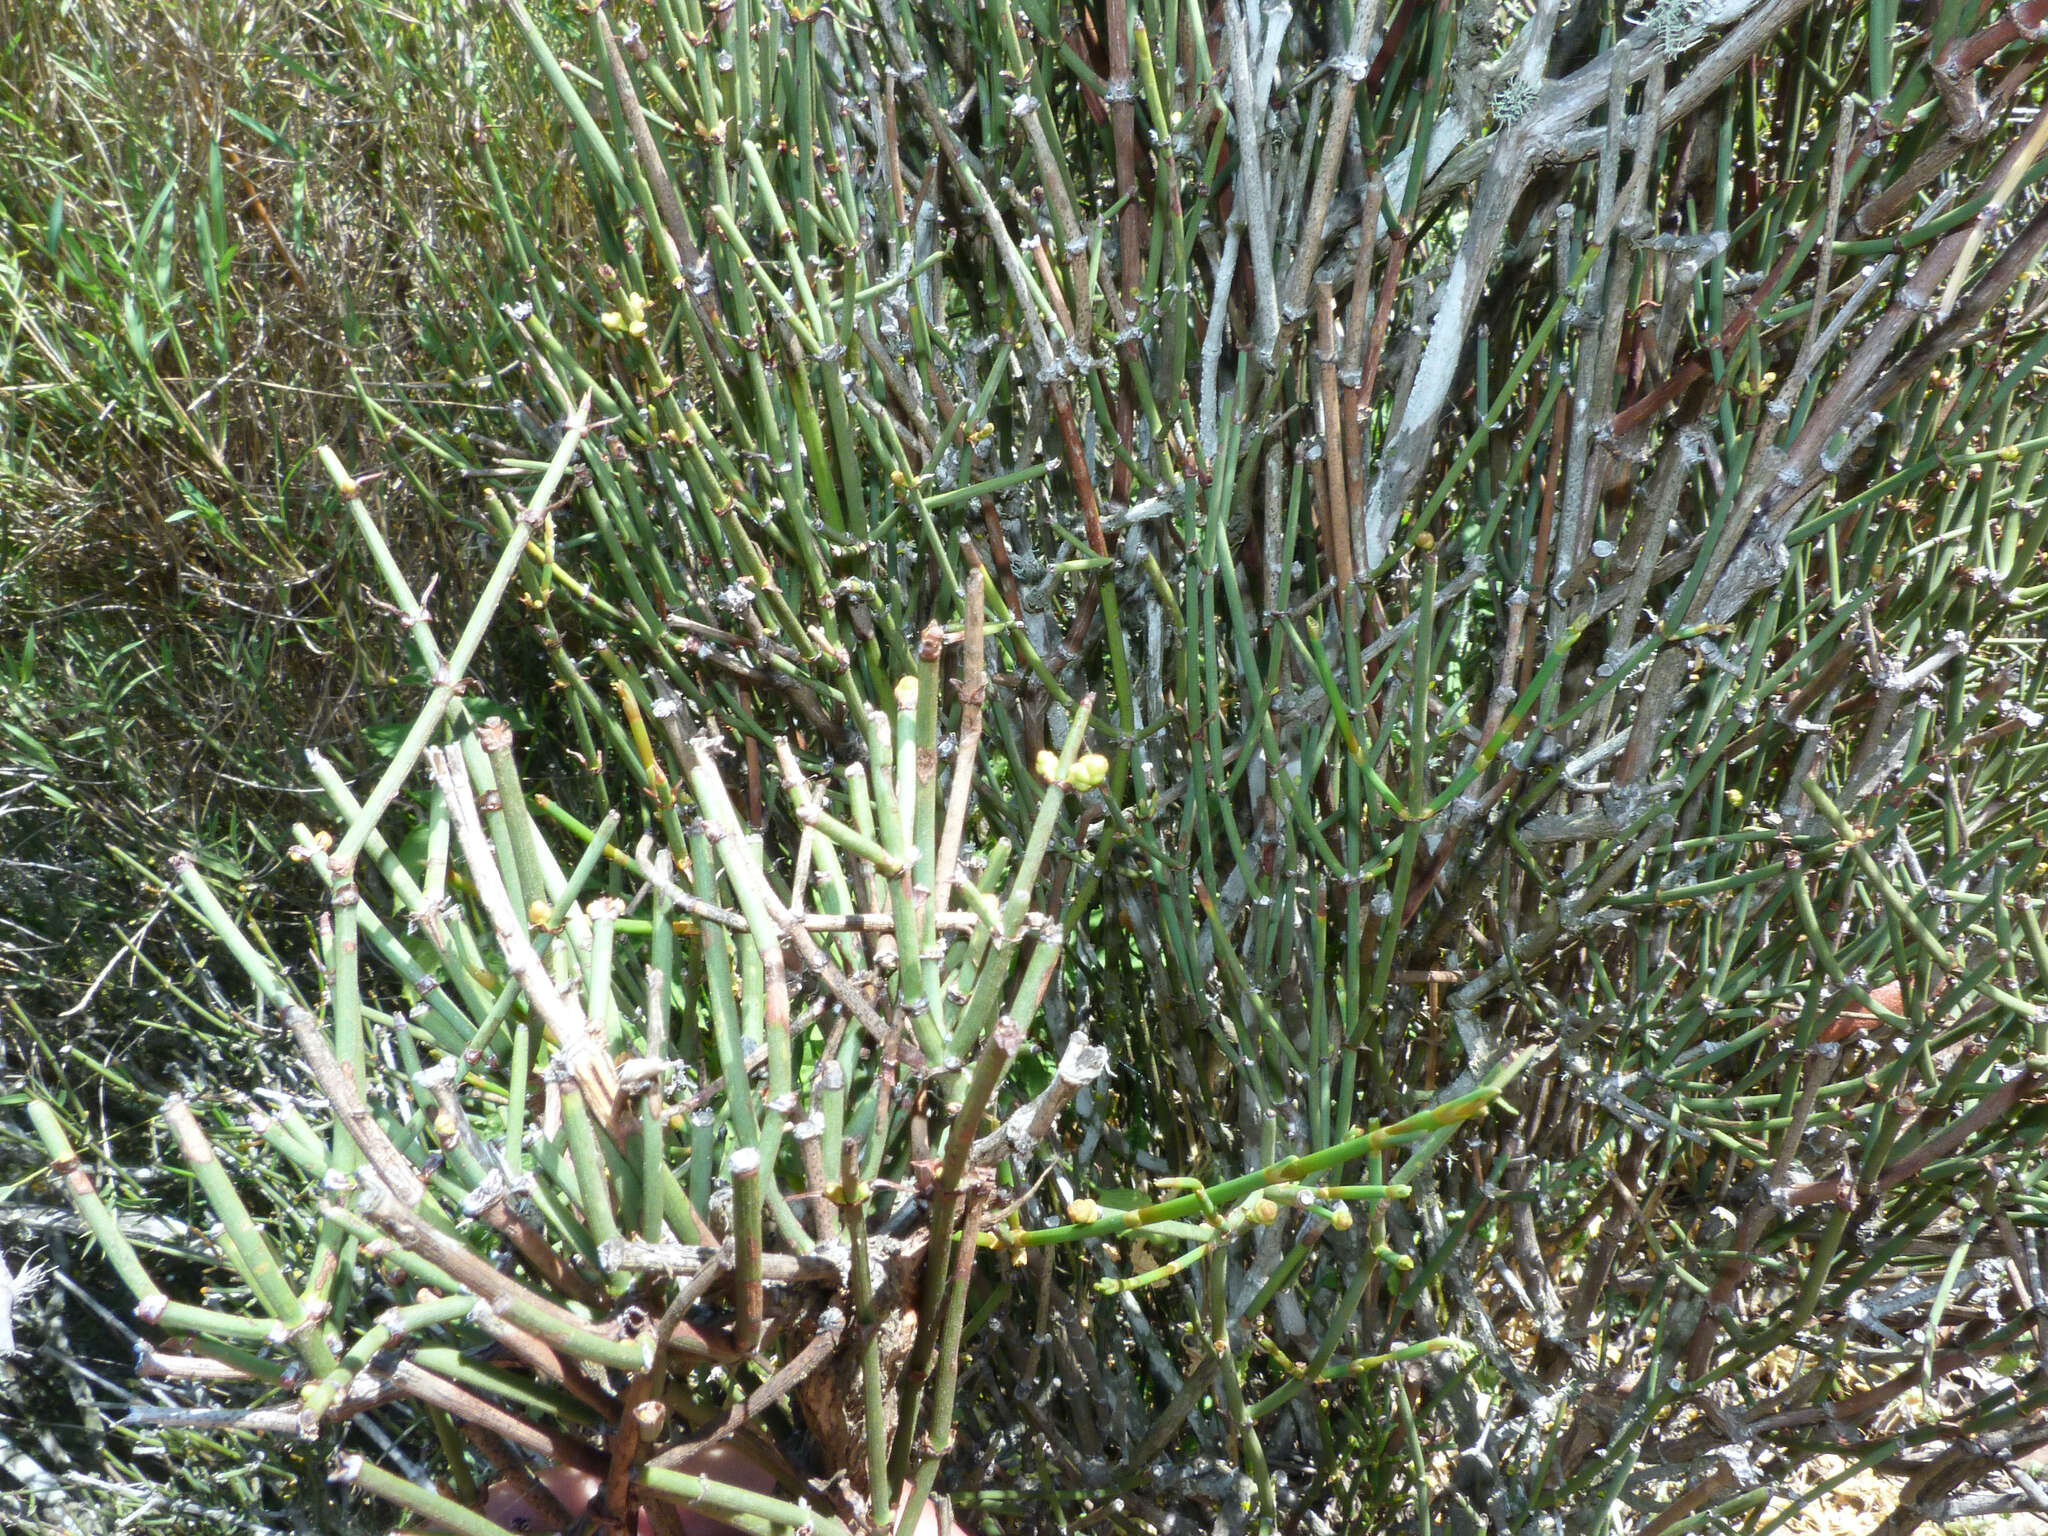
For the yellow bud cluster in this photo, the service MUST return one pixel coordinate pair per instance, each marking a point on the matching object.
(629, 321)
(1090, 770)
(298, 853)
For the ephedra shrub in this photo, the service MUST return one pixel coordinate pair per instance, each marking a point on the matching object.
(1485, 576)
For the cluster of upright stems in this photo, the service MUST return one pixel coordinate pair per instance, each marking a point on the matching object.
(1480, 559)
